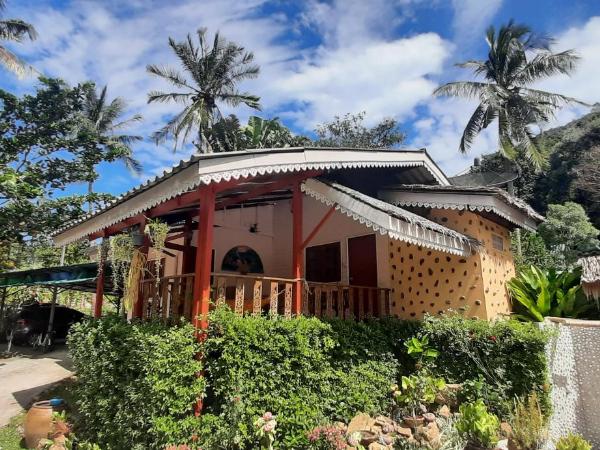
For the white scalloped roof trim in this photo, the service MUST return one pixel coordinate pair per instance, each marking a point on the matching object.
(402, 230)
(461, 207)
(133, 202)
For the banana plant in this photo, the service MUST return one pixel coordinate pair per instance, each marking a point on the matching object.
(548, 293)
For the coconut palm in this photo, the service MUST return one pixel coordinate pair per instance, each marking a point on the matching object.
(517, 59)
(212, 75)
(104, 119)
(14, 30)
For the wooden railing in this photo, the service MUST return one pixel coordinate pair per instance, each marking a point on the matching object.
(171, 297)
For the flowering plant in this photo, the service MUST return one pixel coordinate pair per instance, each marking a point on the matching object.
(265, 430)
(327, 437)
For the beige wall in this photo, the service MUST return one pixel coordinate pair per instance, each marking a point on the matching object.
(428, 281)
(273, 241)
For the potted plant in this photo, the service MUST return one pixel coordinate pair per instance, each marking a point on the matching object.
(477, 426)
(415, 394)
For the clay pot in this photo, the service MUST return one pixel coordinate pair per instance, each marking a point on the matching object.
(38, 423)
(413, 421)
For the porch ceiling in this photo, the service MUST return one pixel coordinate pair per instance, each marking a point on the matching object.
(237, 173)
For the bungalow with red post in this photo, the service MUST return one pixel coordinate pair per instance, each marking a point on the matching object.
(330, 232)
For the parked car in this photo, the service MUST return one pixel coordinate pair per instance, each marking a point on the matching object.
(29, 324)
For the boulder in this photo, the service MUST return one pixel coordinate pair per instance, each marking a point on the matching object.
(428, 435)
(360, 422)
(448, 396)
(429, 417)
(404, 432)
(506, 430)
(445, 412)
(377, 446)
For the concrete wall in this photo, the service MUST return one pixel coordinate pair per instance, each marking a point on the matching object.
(574, 365)
(428, 281)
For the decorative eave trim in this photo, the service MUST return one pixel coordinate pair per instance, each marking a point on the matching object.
(401, 229)
(460, 202)
(214, 170)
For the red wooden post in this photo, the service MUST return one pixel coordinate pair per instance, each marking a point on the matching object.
(98, 299)
(297, 247)
(203, 258)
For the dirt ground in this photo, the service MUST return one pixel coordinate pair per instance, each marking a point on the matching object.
(25, 376)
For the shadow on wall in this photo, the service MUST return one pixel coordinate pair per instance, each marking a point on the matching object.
(574, 366)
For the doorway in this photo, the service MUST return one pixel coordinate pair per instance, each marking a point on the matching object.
(362, 261)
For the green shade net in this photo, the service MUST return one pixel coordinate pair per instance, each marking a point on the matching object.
(79, 277)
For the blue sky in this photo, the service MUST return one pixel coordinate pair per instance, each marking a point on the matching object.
(318, 59)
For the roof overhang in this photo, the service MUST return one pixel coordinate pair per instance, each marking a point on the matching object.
(390, 220)
(244, 166)
(78, 277)
(514, 211)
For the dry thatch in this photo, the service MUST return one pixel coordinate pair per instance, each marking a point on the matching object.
(590, 276)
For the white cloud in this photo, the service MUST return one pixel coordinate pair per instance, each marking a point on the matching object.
(583, 83)
(381, 78)
(471, 17)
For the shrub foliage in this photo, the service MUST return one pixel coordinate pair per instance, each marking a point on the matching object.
(136, 383)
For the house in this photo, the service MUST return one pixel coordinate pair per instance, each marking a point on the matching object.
(319, 231)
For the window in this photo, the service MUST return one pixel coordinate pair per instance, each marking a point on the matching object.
(242, 259)
(497, 242)
(324, 263)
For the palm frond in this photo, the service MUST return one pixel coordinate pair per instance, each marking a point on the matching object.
(174, 76)
(481, 118)
(466, 89)
(16, 30)
(13, 63)
(547, 64)
(165, 97)
(553, 99)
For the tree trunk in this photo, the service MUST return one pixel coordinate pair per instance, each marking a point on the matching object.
(90, 192)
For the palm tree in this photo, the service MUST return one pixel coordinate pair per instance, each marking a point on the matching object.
(14, 30)
(213, 73)
(270, 133)
(517, 59)
(103, 118)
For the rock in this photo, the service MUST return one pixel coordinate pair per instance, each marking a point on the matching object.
(368, 437)
(404, 432)
(445, 412)
(386, 439)
(360, 422)
(429, 417)
(502, 445)
(448, 395)
(428, 435)
(377, 446)
(506, 429)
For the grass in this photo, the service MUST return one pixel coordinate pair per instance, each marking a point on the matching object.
(10, 435)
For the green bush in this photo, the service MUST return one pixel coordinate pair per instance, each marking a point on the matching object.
(136, 383)
(496, 361)
(305, 371)
(573, 442)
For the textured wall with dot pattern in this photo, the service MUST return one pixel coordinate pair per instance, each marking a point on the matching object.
(574, 365)
(428, 281)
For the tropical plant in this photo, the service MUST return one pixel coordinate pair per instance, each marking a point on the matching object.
(547, 293)
(477, 425)
(517, 59)
(14, 30)
(417, 391)
(349, 131)
(528, 424)
(419, 349)
(103, 121)
(213, 74)
(573, 442)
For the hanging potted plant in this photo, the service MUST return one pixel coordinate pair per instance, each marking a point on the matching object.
(157, 232)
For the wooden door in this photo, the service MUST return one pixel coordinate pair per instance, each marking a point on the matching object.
(362, 261)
